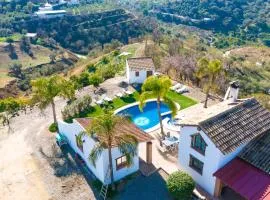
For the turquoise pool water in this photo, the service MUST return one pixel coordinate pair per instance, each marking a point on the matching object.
(148, 118)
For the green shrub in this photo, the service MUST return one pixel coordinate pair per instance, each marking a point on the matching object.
(95, 80)
(108, 72)
(76, 82)
(77, 107)
(180, 185)
(84, 79)
(53, 127)
(116, 53)
(91, 68)
(105, 60)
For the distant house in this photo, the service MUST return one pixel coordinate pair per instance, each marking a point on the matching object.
(120, 168)
(50, 13)
(211, 138)
(138, 69)
(31, 35)
(46, 7)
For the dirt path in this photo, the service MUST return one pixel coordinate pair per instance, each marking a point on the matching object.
(26, 174)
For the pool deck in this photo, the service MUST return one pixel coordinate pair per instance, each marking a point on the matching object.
(165, 160)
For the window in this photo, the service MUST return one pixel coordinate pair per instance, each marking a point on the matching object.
(121, 162)
(137, 74)
(149, 73)
(79, 142)
(198, 143)
(196, 164)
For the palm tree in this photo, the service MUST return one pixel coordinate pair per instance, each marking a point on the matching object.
(158, 87)
(209, 71)
(46, 89)
(103, 127)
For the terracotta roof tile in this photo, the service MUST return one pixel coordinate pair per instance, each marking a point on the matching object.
(257, 152)
(236, 126)
(124, 127)
(145, 63)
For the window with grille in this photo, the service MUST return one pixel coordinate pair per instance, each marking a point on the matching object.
(121, 162)
(196, 164)
(198, 143)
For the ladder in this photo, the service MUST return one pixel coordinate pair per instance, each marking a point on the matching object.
(104, 188)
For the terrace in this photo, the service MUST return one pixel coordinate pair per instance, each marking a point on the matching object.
(112, 87)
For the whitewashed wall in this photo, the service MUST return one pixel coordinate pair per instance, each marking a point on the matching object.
(121, 173)
(137, 79)
(102, 163)
(213, 158)
(210, 159)
(131, 75)
(127, 72)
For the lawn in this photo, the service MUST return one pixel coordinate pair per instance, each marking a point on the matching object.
(182, 100)
(117, 103)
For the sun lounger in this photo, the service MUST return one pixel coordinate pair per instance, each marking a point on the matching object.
(100, 102)
(177, 86)
(107, 99)
(182, 90)
(128, 92)
(119, 94)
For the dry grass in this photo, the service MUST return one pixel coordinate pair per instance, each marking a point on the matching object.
(41, 56)
(136, 49)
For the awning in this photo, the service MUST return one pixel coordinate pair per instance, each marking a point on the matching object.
(245, 179)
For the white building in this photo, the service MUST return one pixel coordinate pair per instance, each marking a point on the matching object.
(46, 7)
(138, 69)
(50, 13)
(211, 137)
(120, 168)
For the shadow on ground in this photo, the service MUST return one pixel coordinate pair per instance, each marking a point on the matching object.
(61, 160)
(64, 163)
(150, 187)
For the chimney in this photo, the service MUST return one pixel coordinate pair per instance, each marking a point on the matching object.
(232, 92)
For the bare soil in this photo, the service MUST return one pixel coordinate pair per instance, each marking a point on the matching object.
(33, 167)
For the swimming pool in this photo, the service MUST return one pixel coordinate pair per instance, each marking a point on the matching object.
(149, 117)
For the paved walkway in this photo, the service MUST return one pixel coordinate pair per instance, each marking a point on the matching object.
(111, 86)
(165, 160)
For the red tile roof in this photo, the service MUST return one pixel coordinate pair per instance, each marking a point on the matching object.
(143, 63)
(124, 127)
(238, 125)
(245, 179)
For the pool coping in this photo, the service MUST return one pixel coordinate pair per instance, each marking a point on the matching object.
(154, 128)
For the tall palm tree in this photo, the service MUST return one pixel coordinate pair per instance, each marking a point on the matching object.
(157, 87)
(209, 71)
(103, 127)
(46, 89)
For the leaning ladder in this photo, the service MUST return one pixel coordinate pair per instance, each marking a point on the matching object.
(104, 188)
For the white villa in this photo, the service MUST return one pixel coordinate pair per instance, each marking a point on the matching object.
(120, 168)
(214, 137)
(222, 147)
(138, 69)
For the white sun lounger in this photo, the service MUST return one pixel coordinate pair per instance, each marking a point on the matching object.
(100, 102)
(119, 94)
(128, 92)
(107, 99)
(182, 90)
(177, 86)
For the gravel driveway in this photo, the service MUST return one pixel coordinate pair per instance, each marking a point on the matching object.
(29, 159)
